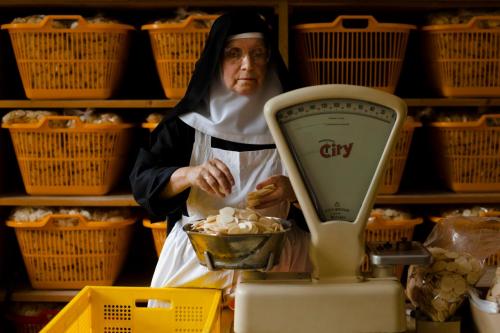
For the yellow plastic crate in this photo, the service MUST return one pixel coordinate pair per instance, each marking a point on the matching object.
(468, 153)
(159, 231)
(85, 61)
(394, 170)
(86, 159)
(69, 257)
(176, 48)
(149, 126)
(370, 56)
(123, 309)
(464, 59)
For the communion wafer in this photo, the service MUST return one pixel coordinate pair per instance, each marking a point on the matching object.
(232, 221)
(440, 288)
(253, 198)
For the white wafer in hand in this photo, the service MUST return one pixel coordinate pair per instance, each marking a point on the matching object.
(254, 198)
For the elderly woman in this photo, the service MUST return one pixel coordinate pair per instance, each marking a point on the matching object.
(215, 147)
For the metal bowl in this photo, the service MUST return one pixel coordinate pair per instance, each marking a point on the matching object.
(241, 251)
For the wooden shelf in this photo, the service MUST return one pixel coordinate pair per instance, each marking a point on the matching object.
(65, 200)
(435, 198)
(179, 3)
(423, 4)
(452, 101)
(127, 200)
(91, 103)
(170, 103)
(28, 294)
(143, 4)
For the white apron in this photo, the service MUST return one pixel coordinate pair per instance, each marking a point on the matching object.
(178, 265)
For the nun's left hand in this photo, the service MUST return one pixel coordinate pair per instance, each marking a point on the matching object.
(283, 192)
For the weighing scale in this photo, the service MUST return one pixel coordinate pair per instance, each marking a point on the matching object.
(335, 141)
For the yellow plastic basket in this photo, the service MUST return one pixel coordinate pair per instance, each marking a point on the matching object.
(149, 126)
(122, 309)
(176, 48)
(494, 259)
(82, 62)
(370, 56)
(464, 59)
(394, 170)
(58, 256)
(381, 230)
(159, 232)
(468, 153)
(85, 159)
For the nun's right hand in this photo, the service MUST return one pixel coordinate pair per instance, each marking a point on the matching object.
(213, 177)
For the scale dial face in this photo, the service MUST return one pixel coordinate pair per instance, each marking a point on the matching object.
(337, 144)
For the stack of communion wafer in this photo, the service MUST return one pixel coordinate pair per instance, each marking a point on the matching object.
(254, 198)
(238, 221)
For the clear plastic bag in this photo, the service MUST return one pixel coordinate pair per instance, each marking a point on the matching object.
(458, 246)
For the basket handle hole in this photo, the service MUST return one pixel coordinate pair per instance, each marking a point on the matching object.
(355, 23)
(156, 303)
(493, 122)
(202, 23)
(55, 123)
(64, 23)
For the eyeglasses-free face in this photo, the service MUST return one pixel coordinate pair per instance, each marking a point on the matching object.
(244, 65)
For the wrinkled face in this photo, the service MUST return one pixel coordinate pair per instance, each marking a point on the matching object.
(244, 65)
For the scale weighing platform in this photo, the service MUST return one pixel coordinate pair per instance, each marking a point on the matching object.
(335, 141)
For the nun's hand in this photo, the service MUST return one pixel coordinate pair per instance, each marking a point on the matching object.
(212, 177)
(282, 192)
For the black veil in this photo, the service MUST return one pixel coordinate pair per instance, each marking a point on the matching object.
(208, 65)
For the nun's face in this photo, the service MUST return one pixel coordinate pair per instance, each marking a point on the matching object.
(244, 65)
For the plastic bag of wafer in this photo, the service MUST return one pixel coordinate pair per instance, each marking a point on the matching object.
(458, 246)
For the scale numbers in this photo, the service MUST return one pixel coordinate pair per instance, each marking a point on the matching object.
(337, 106)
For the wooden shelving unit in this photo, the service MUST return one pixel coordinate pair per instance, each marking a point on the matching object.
(28, 294)
(283, 9)
(170, 103)
(112, 200)
(127, 200)
(92, 103)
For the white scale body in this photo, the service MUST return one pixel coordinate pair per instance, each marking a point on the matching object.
(335, 141)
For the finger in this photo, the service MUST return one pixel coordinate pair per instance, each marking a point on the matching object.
(268, 204)
(213, 185)
(205, 187)
(273, 198)
(223, 167)
(267, 182)
(220, 172)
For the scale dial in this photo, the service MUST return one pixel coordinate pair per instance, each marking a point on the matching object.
(337, 145)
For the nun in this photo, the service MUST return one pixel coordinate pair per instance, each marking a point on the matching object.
(214, 148)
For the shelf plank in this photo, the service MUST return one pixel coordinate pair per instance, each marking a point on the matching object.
(127, 200)
(30, 295)
(131, 3)
(170, 103)
(62, 200)
(91, 103)
(179, 3)
(407, 4)
(452, 101)
(438, 198)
